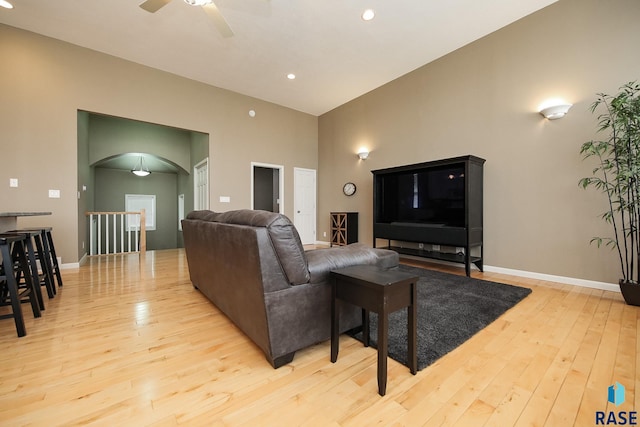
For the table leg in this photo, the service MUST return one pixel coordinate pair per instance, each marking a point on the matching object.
(365, 327)
(335, 338)
(467, 262)
(412, 311)
(383, 324)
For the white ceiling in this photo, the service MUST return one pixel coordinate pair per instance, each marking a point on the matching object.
(335, 55)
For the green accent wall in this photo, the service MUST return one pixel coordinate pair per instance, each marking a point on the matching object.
(113, 184)
(101, 137)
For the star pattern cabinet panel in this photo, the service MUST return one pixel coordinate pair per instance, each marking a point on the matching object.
(344, 228)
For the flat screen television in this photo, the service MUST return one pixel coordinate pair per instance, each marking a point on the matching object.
(432, 196)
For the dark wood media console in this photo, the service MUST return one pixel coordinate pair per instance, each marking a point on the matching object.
(435, 203)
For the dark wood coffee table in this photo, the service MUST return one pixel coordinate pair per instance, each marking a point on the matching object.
(380, 291)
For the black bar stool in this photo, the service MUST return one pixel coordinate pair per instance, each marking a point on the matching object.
(34, 278)
(54, 256)
(49, 247)
(8, 284)
(28, 289)
(43, 254)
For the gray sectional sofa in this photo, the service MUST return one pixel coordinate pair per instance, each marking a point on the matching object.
(252, 266)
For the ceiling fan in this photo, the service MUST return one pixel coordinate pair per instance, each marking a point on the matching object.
(208, 5)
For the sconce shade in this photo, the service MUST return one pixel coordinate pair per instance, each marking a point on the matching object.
(141, 169)
(554, 112)
(363, 154)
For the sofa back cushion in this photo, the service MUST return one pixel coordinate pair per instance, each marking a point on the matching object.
(282, 233)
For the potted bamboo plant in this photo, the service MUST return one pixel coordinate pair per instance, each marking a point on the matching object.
(617, 175)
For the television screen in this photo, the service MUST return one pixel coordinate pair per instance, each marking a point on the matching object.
(430, 196)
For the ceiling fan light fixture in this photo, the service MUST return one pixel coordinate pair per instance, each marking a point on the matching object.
(6, 4)
(198, 2)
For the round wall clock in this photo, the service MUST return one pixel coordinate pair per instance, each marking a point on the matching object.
(349, 189)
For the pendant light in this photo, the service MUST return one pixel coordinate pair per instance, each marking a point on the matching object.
(141, 169)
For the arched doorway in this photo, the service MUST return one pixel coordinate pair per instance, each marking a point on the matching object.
(110, 147)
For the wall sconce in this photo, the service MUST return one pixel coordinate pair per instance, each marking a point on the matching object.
(363, 154)
(141, 169)
(555, 110)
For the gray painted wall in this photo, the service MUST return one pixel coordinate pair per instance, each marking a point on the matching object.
(483, 99)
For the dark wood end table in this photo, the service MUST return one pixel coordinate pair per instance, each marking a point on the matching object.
(380, 291)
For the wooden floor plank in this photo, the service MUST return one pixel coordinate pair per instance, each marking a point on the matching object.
(129, 338)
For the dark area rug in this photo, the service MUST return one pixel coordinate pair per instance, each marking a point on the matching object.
(451, 309)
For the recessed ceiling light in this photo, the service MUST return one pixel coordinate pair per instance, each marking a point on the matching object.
(291, 76)
(368, 14)
(6, 4)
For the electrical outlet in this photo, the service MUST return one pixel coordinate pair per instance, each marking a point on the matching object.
(324, 234)
(225, 199)
(435, 248)
(460, 250)
(13, 182)
(420, 245)
(54, 194)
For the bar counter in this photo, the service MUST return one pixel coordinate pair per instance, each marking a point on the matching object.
(9, 220)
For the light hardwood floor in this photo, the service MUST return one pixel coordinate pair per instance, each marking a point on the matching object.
(132, 343)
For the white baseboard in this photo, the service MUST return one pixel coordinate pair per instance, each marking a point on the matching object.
(69, 266)
(72, 265)
(558, 279)
(532, 275)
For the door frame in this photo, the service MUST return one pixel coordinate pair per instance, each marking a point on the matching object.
(280, 169)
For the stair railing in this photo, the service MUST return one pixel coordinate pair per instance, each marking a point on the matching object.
(117, 232)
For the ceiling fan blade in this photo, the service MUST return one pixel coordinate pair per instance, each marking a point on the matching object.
(218, 20)
(154, 5)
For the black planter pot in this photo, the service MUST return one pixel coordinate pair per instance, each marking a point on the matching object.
(630, 292)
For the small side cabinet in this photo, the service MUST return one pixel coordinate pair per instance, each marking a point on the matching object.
(344, 228)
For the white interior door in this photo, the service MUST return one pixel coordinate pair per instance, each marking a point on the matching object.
(201, 185)
(304, 204)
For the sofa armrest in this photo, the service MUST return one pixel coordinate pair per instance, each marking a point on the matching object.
(322, 261)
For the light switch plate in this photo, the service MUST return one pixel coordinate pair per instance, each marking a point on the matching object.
(225, 199)
(54, 194)
(13, 182)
